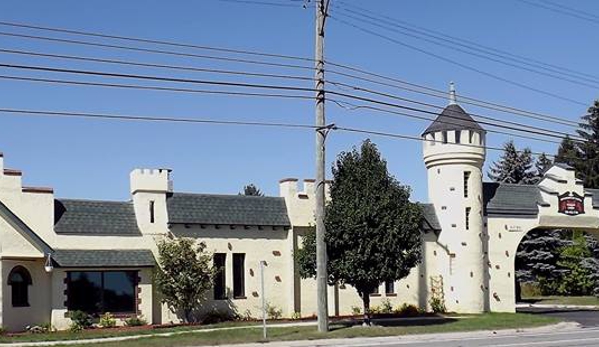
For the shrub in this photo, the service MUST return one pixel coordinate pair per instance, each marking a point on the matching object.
(374, 309)
(247, 315)
(296, 315)
(107, 320)
(408, 310)
(437, 305)
(214, 317)
(135, 322)
(530, 290)
(273, 312)
(356, 310)
(2, 331)
(386, 307)
(80, 320)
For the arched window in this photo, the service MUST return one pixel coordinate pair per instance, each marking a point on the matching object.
(20, 280)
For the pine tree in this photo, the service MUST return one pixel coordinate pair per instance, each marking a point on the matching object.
(251, 190)
(567, 153)
(588, 150)
(542, 164)
(513, 166)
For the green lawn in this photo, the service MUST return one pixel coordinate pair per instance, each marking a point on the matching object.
(491, 321)
(563, 300)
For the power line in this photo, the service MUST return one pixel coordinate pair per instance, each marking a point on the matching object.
(157, 78)
(381, 23)
(403, 114)
(152, 65)
(451, 112)
(364, 99)
(451, 61)
(464, 42)
(558, 10)
(400, 84)
(156, 51)
(154, 41)
(264, 3)
(126, 117)
(528, 129)
(155, 88)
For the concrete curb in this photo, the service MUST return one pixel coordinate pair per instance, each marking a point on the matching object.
(371, 341)
(558, 306)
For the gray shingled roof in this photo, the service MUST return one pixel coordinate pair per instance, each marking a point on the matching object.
(595, 197)
(453, 117)
(227, 210)
(103, 258)
(89, 217)
(430, 218)
(511, 199)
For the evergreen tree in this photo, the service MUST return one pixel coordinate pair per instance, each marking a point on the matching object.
(251, 190)
(542, 165)
(372, 228)
(513, 166)
(567, 153)
(588, 167)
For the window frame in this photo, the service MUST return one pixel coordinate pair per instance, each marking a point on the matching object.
(467, 183)
(239, 276)
(222, 294)
(20, 290)
(102, 303)
(390, 285)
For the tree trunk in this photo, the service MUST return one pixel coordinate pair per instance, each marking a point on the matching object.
(187, 315)
(366, 302)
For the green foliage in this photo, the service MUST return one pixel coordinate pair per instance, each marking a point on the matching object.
(184, 274)
(356, 310)
(437, 305)
(386, 306)
(372, 228)
(542, 164)
(2, 331)
(514, 166)
(135, 321)
(251, 190)
(273, 312)
(296, 315)
(218, 316)
(576, 279)
(408, 310)
(107, 320)
(79, 321)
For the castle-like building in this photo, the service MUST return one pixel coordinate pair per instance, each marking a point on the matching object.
(62, 255)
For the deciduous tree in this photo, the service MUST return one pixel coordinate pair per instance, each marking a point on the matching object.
(372, 228)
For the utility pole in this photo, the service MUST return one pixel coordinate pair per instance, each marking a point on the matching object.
(321, 132)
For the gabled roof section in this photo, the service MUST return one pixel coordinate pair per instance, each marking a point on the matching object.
(511, 199)
(90, 217)
(210, 209)
(453, 117)
(23, 229)
(113, 258)
(431, 223)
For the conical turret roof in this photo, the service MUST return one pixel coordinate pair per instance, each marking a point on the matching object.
(453, 117)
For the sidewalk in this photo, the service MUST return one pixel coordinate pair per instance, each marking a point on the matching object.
(558, 306)
(197, 331)
(421, 338)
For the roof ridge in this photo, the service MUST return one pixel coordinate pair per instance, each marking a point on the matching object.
(241, 196)
(94, 200)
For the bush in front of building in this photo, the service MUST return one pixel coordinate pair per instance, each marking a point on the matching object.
(107, 320)
(79, 321)
(437, 305)
(184, 275)
(273, 311)
(2, 330)
(408, 310)
(135, 321)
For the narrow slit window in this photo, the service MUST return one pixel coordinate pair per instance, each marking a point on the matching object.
(458, 134)
(239, 275)
(466, 179)
(444, 135)
(467, 218)
(152, 216)
(220, 279)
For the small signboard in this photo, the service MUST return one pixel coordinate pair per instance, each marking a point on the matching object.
(571, 204)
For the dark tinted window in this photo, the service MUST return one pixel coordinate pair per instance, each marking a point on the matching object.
(390, 287)
(220, 279)
(239, 275)
(19, 280)
(98, 292)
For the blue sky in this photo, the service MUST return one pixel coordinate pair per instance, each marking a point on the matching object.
(92, 159)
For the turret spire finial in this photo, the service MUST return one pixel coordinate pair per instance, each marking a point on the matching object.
(452, 97)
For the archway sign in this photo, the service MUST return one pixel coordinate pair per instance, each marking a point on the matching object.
(558, 201)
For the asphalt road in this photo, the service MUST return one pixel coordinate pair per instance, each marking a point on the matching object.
(586, 318)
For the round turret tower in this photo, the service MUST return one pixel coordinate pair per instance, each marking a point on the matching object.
(454, 154)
